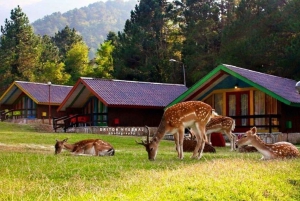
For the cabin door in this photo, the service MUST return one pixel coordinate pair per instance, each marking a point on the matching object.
(237, 104)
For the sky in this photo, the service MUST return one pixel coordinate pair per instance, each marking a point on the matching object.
(37, 9)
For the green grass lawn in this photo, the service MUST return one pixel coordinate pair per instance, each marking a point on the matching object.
(29, 170)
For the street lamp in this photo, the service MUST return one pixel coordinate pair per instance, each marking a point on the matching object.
(49, 84)
(183, 69)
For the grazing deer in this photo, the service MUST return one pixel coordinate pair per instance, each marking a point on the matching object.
(194, 114)
(90, 147)
(224, 125)
(269, 151)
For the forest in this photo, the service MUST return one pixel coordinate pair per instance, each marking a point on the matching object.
(197, 35)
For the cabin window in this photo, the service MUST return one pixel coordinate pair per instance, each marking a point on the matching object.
(244, 108)
(209, 101)
(259, 107)
(264, 104)
(31, 107)
(98, 110)
(102, 109)
(232, 105)
(271, 108)
(27, 107)
(237, 104)
(216, 101)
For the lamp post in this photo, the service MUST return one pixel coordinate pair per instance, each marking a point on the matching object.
(49, 84)
(183, 69)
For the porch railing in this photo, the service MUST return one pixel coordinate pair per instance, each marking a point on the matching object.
(269, 121)
(17, 113)
(95, 119)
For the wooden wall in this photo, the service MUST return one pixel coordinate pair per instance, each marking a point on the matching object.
(134, 116)
(292, 114)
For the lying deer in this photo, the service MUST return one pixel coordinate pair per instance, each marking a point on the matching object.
(193, 114)
(90, 147)
(269, 151)
(189, 143)
(224, 125)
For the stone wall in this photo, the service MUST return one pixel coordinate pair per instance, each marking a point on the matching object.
(43, 126)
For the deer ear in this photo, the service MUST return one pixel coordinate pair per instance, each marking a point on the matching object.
(254, 130)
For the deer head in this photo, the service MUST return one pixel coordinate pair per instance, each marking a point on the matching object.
(248, 137)
(151, 146)
(59, 145)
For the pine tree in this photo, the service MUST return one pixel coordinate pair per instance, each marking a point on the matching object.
(65, 39)
(18, 49)
(202, 33)
(50, 68)
(141, 52)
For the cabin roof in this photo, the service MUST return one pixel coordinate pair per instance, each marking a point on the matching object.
(227, 76)
(121, 93)
(38, 92)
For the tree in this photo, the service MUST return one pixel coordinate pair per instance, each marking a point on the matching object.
(141, 52)
(18, 49)
(290, 62)
(256, 39)
(104, 61)
(76, 63)
(202, 33)
(65, 39)
(50, 67)
(54, 72)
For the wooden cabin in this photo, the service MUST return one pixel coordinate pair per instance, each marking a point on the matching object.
(116, 103)
(30, 100)
(270, 103)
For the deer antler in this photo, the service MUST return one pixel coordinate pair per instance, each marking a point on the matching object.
(148, 135)
(142, 143)
(148, 138)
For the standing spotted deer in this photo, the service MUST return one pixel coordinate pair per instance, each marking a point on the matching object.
(279, 150)
(89, 147)
(224, 125)
(193, 114)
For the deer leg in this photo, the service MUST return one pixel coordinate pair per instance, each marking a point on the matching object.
(232, 140)
(176, 139)
(181, 138)
(198, 139)
(203, 139)
(209, 138)
(230, 137)
(231, 143)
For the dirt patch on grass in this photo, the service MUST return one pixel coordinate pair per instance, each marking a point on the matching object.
(33, 148)
(43, 128)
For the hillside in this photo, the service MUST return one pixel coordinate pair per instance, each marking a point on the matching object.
(93, 22)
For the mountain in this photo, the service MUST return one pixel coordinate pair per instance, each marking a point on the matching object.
(37, 9)
(93, 22)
